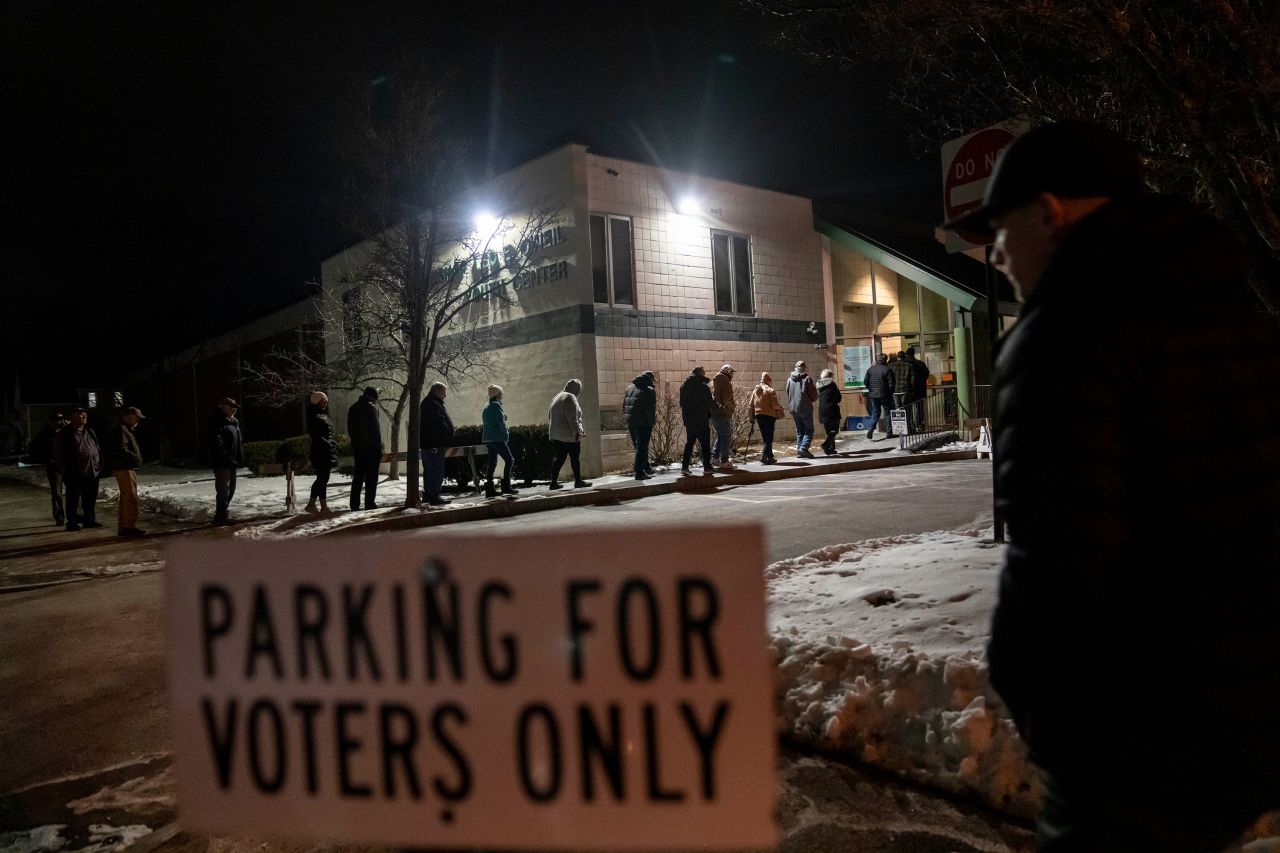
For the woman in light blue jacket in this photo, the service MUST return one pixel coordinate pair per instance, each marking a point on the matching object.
(495, 436)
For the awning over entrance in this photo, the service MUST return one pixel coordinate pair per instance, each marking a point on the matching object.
(947, 288)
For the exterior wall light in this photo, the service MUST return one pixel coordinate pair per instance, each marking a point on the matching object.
(486, 223)
(689, 206)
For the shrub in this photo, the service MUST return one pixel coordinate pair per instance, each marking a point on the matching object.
(532, 452)
(666, 443)
(259, 453)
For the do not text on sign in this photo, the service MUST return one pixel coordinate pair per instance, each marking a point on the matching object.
(602, 690)
(967, 164)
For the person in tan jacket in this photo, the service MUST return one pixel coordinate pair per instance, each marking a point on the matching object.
(767, 409)
(722, 421)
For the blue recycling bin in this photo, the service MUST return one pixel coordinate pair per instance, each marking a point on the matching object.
(858, 423)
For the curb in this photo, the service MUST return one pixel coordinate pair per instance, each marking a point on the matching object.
(614, 494)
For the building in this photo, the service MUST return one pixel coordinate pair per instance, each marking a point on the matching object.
(650, 269)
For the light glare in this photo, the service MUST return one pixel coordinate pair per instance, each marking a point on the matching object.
(486, 222)
(689, 206)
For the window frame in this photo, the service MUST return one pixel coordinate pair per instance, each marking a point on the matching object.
(608, 257)
(733, 273)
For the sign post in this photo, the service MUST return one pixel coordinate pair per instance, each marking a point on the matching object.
(588, 691)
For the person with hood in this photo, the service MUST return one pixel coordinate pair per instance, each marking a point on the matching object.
(435, 435)
(124, 458)
(324, 449)
(80, 461)
(1142, 530)
(495, 435)
(801, 395)
(564, 427)
(766, 408)
(226, 455)
(640, 410)
(829, 409)
(722, 421)
(879, 384)
(904, 374)
(366, 447)
(44, 449)
(696, 408)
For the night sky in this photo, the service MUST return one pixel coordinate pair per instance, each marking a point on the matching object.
(173, 175)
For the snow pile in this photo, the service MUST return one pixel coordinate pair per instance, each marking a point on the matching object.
(880, 654)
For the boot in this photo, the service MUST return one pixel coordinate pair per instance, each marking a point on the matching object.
(310, 507)
(489, 490)
(554, 485)
(507, 490)
(581, 484)
(324, 505)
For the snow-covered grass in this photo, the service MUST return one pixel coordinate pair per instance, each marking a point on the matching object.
(880, 647)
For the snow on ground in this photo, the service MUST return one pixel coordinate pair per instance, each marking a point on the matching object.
(880, 654)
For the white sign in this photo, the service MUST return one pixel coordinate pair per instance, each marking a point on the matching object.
(568, 691)
(857, 360)
(967, 164)
(898, 421)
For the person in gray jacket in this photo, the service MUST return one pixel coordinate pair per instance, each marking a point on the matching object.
(564, 427)
(801, 395)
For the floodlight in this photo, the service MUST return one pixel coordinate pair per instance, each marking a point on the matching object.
(486, 222)
(689, 206)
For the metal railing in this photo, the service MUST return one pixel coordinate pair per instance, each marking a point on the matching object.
(941, 408)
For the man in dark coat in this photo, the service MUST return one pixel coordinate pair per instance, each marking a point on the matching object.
(879, 382)
(1135, 641)
(44, 449)
(80, 461)
(640, 410)
(904, 393)
(124, 458)
(696, 407)
(919, 385)
(226, 455)
(435, 435)
(366, 447)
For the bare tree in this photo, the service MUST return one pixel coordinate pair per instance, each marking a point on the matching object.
(428, 281)
(1195, 83)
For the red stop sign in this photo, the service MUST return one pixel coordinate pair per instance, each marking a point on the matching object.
(967, 170)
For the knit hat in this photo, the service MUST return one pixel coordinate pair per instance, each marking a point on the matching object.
(318, 397)
(495, 391)
(727, 368)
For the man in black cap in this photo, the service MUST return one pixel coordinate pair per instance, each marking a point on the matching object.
(366, 447)
(1136, 647)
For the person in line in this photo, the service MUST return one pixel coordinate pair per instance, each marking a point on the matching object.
(564, 427)
(366, 447)
(696, 408)
(640, 410)
(80, 461)
(829, 410)
(904, 387)
(435, 436)
(767, 409)
(495, 435)
(324, 449)
(919, 385)
(722, 420)
(1142, 530)
(226, 456)
(879, 384)
(801, 395)
(44, 449)
(124, 458)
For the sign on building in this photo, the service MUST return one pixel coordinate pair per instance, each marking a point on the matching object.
(569, 691)
(967, 164)
(857, 361)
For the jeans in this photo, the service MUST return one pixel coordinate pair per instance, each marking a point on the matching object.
(127, 518)
(496, 449)
(702, 435)
(724, 443)
(766, 434)
(640, 436)
(433, 474)
(224, 483)
(55, 493)
(320, 484)
(571, 450)
(82, 494)
(878, 407)
(365, 476)
(804, 428)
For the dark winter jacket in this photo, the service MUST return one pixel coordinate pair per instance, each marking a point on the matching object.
(919, 379)
(640, 402)
(879, 381)
(801, 393)
(44, 446)
(1126, 581)
(436, 428)
(324, 450)
(904, 374)
(226, 444)
(828, 401)
(79, 453)
(696, 402)
(123, 453)
(362, 426)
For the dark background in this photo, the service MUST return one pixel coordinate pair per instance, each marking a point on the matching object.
(173, 176)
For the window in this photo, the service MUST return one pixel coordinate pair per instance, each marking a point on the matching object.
(612, 270)
(731, 263)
